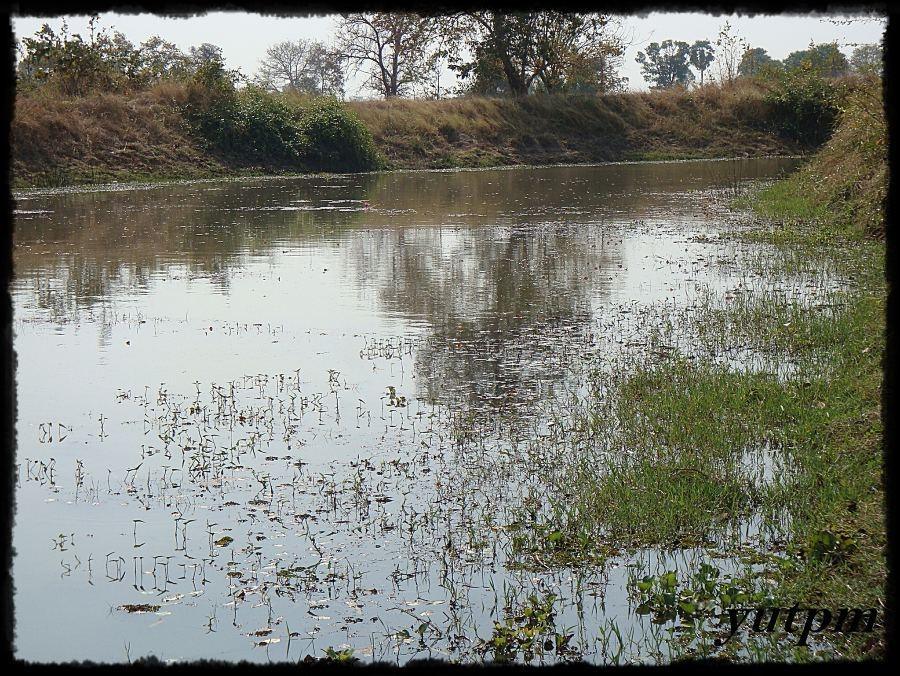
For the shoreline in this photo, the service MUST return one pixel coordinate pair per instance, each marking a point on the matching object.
(137, 184)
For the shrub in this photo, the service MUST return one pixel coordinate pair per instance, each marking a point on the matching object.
(257, 127)
(264, 130)
(334, 138)
(210, 106)
(804, 105)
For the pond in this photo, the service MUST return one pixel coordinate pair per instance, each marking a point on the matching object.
(264, 418)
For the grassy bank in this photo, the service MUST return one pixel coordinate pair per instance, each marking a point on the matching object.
(151, 134)
(841, 193)
(710, 122)
(103, 138)
(748, 425)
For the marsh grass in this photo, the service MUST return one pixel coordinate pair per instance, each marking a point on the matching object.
(789, 364)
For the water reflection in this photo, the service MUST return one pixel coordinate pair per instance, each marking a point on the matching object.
(78, 248)
(478, 287)
(485, 259)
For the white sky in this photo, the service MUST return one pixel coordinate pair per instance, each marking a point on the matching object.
(245, 37)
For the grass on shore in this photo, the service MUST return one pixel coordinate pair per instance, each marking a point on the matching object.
(546, 129)
(769, 419)
(106, 137)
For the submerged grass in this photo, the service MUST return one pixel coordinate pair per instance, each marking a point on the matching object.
(669, 438)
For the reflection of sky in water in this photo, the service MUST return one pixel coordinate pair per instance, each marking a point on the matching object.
(476, 287)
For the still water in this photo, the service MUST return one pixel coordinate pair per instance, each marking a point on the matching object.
(250, 404)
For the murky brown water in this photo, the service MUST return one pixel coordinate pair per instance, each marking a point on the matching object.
(291, 363)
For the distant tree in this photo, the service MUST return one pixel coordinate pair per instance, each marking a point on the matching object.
(729, 48)
(517, 53)
(204, 54)
(483, 75)
(753, 61)
(326, 70)
(826, 59)
(666, 64)
(302, 66)
(701, 56)
(123, 57)
(575, 51)
(867, 59)
(397, 50)
(284, 65)
(595, 75)
(161, 59)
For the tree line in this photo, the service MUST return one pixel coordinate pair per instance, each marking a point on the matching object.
(397, 54)
(669, 63)
(402, 54)
(491, 53)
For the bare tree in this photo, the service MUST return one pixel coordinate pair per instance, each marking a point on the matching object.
(325, 70)
(730, 47)
(284, 65)
(302, 66)
(397, 50)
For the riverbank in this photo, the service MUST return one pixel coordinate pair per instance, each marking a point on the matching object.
(660, 125)
(782, 374)
(145, 136)
(831, 215)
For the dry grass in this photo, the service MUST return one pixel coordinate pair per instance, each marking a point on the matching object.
(104, 136)
(845, 187)
(851, 178)
(142, 135)
(708, 122)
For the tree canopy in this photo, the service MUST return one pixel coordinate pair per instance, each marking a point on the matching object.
(753, 61)
(701, 57)
(867, 59)
(522, 52)
(666, 64)
(826, 59)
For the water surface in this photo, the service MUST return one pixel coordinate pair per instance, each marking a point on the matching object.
(323, 370)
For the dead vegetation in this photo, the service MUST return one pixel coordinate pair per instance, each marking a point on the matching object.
(104, 137)
(473, 131)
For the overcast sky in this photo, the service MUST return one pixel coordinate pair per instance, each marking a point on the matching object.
(245, 37)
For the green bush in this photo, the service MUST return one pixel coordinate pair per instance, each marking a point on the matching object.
(263, 129)
(211, 105)
(804, 105)
(260, 128)
(334, 138)
(250, 126)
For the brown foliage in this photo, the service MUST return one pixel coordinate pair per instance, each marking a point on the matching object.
(104, 136)
(116, 136)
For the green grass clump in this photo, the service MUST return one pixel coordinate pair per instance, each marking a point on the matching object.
(839, 195)
(669, 440)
